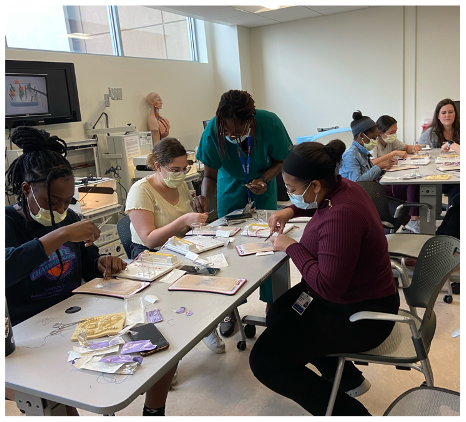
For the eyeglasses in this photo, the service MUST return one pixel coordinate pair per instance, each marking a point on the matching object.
(176, 171)
(290, 194)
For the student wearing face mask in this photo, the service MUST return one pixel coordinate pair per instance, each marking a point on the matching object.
(242, 146)
(388, 146)
(356, 164)
(345, 266)
(160, 206)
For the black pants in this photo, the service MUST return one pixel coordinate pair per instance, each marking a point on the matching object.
(136, 249)
(291, 341)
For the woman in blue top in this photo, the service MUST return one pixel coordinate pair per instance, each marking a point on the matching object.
(48, 249)
(242, 145)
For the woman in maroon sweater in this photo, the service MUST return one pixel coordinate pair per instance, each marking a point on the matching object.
(345, 266)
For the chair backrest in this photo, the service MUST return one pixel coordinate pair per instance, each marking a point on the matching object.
(438, 258)
(377, 193)
(124, 233)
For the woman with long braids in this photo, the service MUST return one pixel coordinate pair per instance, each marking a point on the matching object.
(242, 145)
(48, 248)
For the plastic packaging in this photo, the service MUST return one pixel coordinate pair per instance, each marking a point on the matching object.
(154, 316)
(121, 359)
(134, 308)
(82, 339)
(93, 363)
(137, 346)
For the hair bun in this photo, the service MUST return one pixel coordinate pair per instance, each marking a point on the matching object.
(357, 115)
(335, 149)
(30, 139)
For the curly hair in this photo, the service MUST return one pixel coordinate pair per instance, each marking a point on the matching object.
(43, 160)
(234, 103)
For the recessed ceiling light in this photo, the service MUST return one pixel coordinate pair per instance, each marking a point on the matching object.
(272, 7)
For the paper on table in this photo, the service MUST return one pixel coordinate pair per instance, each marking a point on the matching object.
(218, 261)
(173, 276)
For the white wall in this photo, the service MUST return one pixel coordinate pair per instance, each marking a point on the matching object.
(315, 72)
(438, 59)
(185, 88)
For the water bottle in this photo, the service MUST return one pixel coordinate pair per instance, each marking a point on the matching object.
(9, 339)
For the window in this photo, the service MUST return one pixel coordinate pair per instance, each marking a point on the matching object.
(132, 31)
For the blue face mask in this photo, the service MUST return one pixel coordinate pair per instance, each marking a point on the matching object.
(234, 141)
(299, 201)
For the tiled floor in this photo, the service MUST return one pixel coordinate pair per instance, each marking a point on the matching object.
(211, 384)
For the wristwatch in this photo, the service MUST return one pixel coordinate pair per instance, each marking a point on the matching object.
(263, 179)
(449, 143)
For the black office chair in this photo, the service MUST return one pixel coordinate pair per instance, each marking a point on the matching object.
(411, 337)
(392, 211)
(124, 233)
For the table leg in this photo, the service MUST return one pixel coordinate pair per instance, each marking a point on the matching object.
(36, 406)
(281, 280)
(428, 195)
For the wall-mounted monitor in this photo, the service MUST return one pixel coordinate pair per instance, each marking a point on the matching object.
(40, 93)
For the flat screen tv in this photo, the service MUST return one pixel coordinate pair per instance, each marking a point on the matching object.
(40, 93)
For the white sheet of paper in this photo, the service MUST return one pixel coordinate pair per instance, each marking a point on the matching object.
(132, 148)
(172, 276)
(222, 233)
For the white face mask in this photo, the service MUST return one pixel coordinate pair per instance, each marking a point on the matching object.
(371, 144)
(299, 201)
(390, 138)
(174, 180)
(235, 141)
(43, 216)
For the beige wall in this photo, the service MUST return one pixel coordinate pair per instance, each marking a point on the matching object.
(186, 89)
(438, 59)
(381, 60)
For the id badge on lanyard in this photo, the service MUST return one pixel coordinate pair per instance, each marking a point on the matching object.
(304, 300)
(246, 166)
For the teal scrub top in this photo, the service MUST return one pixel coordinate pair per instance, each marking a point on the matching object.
(272, 143)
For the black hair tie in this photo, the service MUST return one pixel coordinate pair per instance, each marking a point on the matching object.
(330, 151)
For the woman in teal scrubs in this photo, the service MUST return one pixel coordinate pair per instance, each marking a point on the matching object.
(242, 145)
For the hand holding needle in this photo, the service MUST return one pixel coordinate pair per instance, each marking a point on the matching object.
(271, 233)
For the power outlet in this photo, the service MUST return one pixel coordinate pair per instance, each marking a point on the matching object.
(117, 93)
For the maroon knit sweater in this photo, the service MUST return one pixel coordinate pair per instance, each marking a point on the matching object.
(343, 253)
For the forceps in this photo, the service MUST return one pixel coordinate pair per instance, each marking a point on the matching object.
(60, 326)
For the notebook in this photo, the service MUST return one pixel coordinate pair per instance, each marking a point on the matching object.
(253, 248)
(115, 287)
(210, 284)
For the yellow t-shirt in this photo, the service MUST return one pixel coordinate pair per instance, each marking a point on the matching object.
(142, 196)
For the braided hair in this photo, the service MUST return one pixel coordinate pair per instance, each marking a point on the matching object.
(234, 103)
(43, 160)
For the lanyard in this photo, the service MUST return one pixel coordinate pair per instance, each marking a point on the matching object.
(245, 166)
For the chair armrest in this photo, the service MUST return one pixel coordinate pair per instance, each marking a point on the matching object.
(455, 333)
(411, 204)
(402, 271)
(380, 316)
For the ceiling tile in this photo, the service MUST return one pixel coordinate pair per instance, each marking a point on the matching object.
(249, 20)
(335, 9)
(207, 12)
(250, 9)
(291, 13)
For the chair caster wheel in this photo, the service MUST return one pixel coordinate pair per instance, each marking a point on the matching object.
(447, 299)
(455, 288)
(241, 345)
(424, 384)
(249, 330)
